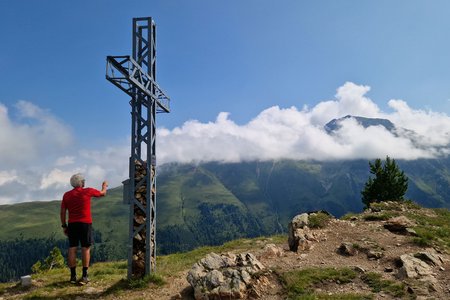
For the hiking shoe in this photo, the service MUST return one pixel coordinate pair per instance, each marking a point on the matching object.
(84, 280)
(73, 279)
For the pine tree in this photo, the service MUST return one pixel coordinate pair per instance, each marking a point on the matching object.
(390, 183)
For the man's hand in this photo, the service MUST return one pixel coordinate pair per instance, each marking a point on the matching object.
(65, 230)
(104, 187)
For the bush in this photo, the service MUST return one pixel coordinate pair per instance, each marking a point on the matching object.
(54, 260)
(318, 220)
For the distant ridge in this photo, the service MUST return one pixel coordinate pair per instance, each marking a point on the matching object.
(334, 124)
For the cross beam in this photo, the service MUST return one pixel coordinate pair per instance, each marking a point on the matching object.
(136, 76)
(131, 76)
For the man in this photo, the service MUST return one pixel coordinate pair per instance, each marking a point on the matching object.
(79, 230)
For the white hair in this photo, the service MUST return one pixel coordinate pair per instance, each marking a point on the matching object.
(77, 180)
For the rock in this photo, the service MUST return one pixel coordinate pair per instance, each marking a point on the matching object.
(411, 232)
(413, 267)
(398, 224)
(347, 249)
(373, 254)
(25, 280)
(299, 235)
(225, 276)
(213, 261)
(271, 250)
(300, 221)
(430, 256)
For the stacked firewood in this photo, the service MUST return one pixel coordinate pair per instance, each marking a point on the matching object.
(139, 240)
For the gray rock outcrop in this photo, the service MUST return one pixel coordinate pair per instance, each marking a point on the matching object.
(419, 266)
(300, 236)
(225, 276)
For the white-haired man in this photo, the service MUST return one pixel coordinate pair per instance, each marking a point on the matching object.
(79, 230)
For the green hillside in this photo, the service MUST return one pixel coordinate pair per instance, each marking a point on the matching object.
(41, 219)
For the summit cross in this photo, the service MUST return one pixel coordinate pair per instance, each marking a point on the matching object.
(136, 76)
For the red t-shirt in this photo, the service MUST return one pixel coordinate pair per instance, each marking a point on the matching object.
(78, 202)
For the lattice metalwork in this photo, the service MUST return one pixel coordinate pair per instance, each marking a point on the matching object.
(136, 76)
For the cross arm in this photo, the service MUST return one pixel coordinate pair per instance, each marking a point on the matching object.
(125, 73)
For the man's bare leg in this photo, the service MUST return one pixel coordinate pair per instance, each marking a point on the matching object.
(85, 258)
(72, 262)
(72, 257)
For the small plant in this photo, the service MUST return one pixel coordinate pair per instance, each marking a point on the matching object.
(318, 220)
(377, 284)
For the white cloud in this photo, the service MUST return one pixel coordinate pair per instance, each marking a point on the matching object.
(7, 177)
(298, 134)
(47, 157)
(37, 157)
(36, 133)
(56, 178)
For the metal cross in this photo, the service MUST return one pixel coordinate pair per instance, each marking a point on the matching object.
(136, 76)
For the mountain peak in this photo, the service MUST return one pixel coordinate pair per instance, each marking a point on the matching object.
(335, 124)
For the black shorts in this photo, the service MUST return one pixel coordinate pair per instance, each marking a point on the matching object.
(80, 233)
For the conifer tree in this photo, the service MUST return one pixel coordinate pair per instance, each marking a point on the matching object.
(390, 183)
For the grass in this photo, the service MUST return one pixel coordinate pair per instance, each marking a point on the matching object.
(300, 283)
(109, 278)
(432, 229)
(377, 284)
(349, 216)
(379, 216)
(394, 205)
(142, 283)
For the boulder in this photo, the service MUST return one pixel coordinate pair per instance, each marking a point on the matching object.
(299, 234)
(225, 276)
(413, 267)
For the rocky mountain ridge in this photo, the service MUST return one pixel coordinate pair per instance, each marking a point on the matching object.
(377, 250)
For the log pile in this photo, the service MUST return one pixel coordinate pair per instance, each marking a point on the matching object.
(139, 240)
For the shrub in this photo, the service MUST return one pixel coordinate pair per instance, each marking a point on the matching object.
(54, 260)
(318, 220)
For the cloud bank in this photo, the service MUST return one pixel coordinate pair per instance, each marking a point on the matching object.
(48, 157)
(278, 133)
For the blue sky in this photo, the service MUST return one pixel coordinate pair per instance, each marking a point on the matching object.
(242, 57)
